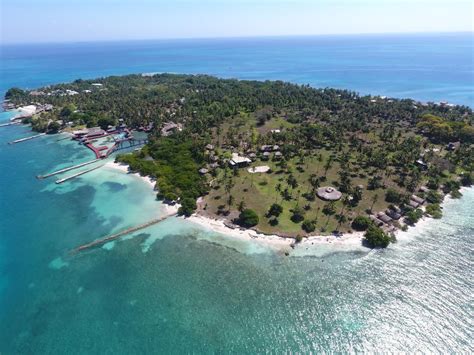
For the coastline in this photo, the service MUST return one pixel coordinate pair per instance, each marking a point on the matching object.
(219, 226)
(166, 209)
(124, 169)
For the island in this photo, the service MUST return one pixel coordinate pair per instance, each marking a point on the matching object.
(279, 158)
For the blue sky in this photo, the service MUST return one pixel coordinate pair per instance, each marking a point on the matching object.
(89, 20)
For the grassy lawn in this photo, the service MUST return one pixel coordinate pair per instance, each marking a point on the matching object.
(259, 191)
(275, 123)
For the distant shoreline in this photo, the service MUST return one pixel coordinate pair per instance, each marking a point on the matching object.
(236, 38)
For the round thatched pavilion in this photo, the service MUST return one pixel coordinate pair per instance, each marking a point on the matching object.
(329, 193)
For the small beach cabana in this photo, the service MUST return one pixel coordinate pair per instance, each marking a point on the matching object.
(393, 214)
(417, 199)
(413, 204)
(376, 221)
(384, 218)
(266, 156)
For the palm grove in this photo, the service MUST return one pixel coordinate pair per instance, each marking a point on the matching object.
(377, 152)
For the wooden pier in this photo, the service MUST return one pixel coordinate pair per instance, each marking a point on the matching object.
(60, 181)
(66, 169)
(9, 124)
(27, 138)
(63, 139)
(109, 238)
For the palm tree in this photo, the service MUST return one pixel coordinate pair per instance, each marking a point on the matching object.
(388, 173)
(328, 165)
(341, 218)
(374, 199)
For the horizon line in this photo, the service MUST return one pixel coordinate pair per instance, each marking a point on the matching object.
(240, 37)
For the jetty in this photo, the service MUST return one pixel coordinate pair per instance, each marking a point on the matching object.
(109, 238)
(27, 138)
(9, 124)
(60, 181)
(63, 139)
(66, 169)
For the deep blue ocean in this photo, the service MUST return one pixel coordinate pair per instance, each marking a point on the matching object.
(425, 67)
(177, 288)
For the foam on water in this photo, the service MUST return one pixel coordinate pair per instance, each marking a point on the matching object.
(58, 263)
(109, 245)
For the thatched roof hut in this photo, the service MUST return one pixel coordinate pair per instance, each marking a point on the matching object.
(393, 214)
(417, 199)
(383, 217)
(376, 221)
(329, 193)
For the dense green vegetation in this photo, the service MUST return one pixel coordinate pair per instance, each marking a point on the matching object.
(434, 210)
(413, 216)
(248, 218)
(376, 238)
(443, 130)
(378, 152)
(174, 163)
(361, 223)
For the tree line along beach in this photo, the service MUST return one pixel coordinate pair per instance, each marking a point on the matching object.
(270, 160)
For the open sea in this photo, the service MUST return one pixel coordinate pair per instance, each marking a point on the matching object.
(177, 288)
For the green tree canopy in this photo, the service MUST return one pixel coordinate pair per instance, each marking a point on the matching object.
(248, 218)
(376, 238)
(275, 210)
(361, 223)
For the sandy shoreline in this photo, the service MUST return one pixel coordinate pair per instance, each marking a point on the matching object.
(124, 168)
(166, 209)
(354, 239)
(218, 226)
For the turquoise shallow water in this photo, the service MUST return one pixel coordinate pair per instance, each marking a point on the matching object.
(177, 288)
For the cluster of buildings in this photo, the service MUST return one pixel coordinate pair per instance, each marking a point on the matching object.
(146, 128)
(239, 160)
(450, 147)
(268, 150)
(86, 134)
(385, 219)
(65, 92)
(169, 128)
(27, 111)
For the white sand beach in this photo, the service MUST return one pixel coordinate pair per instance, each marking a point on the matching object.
(345, 240)
(24, 111)
(218, 226)
(124, 168)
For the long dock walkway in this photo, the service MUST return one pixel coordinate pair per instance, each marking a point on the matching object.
(9, 124)
(109, 238)
(26, 139)
(60, 181)
(66, 169)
